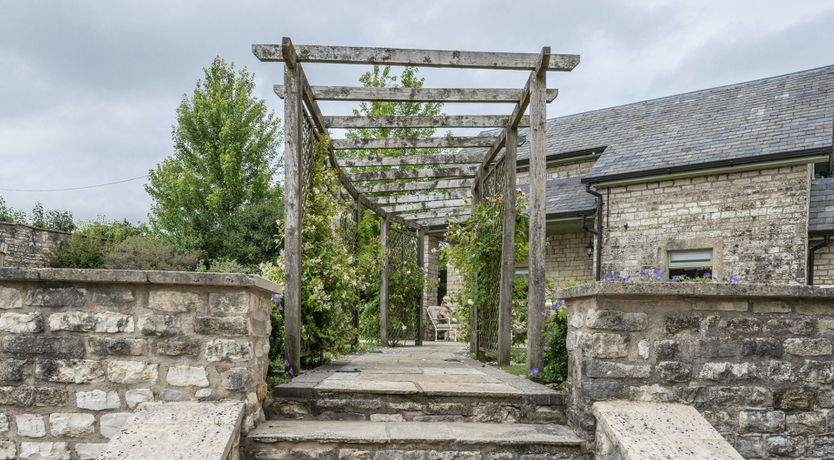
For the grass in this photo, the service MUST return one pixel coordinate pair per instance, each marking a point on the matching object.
(515, 369)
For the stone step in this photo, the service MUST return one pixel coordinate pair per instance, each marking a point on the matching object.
(342, 440)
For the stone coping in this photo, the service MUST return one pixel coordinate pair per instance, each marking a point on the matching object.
(617, 289)
(76, 275)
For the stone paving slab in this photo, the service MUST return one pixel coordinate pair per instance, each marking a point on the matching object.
(178, 430)
(413, 432)
(640, 430)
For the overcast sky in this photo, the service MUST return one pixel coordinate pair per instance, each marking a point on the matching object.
(88, 90)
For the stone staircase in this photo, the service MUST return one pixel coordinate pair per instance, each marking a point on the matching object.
(427, 402)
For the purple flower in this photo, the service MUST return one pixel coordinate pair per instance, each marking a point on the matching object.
(292, 374)
(609, 278)
(658, 277)
(733, 279)
(276, 298)
(286, 363)
(707, 275)
(534, 371)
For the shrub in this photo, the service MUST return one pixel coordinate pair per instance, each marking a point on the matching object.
(78, 251)
(226, 266)
(555, 369)
(148, 253)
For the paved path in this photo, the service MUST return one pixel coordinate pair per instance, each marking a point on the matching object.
(434, 369)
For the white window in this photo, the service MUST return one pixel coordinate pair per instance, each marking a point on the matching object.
(692, 263)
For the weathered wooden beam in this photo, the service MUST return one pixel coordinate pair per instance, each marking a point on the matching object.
(416, 57)
(507, 273)
(424, 173)
(436, 213)
(424, 206)
(383, 283)
(408, 160)
(440, 221)
(416, 185)
(536, 226)
(293, 202)
(458, 193)
(439, 121)
(413, 143)
(473, 95)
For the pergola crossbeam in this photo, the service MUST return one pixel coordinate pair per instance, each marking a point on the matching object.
(425, 205)
(413, 160)
(412, 186)
(422, 197)
(415, 57)
(423, 173)
(469, 95)
(413, 143)
(421, 121)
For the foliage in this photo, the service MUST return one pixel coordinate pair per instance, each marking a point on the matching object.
(91, 242)
(329, 280)
(475, 249)
(555, 370)
(141, 252)
(226, 266)
(658, 275)
(520, 285)
(49, 219)
(215, 192)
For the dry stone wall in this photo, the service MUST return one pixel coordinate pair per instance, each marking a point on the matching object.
(80, 349)
(756, 361)
(25, 246)
(755, 221)
(565, 258)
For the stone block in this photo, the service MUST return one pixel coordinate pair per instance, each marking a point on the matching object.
(667, 350)
(52, 346)
(605, 369)
(159, 325)
(674, 371)
(761, 346)
(771, 306)
(235, 379)
(782, 372)
(174, 395)
(729, 371)
(21, 323)
(10, 298)
(727, 396)
(716, 347)
(97, 400)
(17, 396)
(816, 371)
(825, 399)
(89, 451)
(71, 425)
(44, 450)
(743, 325)
(750, 446)
(50, 397)
(228, 350)
(132, 372)
(67, 297)
(69, 370)
(30, 425)
(4, 422)
(643, 349)
(806, 422)
(203, 394)
(721, 305)
(782, 446)
(77, 321)
(183, 376)
(112, 423)
(761, 421)
(808, 346)
(116, 346)
(168, 301)
(177, 347)
(8, 450)
(616, 320)
(228, 303)
(605, 345)
(113, 297)
(674, 324)
(794, 326)
(795, 398)
(138, 396)
(111, 322)
(209, 325)
(12, 370)
(598, 390)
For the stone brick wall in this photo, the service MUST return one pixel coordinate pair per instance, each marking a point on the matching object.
(755, 360)
(755, 221)
(26, 246)
(824, 265)
(79, 349)
(560, 171)
(565, 258)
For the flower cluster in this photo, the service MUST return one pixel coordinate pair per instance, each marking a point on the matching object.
(656, 275)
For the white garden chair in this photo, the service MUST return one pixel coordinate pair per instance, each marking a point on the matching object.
(442, 325)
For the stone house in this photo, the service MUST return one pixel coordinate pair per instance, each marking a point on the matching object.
(731, 180)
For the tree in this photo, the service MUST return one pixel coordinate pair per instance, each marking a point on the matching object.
(223, 165)
(50, 219)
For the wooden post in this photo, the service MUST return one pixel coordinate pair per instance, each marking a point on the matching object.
(538, 166)
(421, 260)
(473, 309)
(383, 284)
(357, 220)
(505, 294)
(292, 214)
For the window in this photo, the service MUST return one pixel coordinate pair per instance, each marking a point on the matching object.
(691, 263)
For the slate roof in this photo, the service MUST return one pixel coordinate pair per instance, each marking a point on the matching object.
(761, 118)
(566, 198)
(821, 212)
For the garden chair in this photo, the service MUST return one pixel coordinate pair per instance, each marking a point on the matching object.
(445, 324)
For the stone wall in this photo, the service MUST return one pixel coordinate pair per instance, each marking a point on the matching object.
(79, 349)
(560, 171)
(26, 246)
(565, 258)
(823, 265)
(755, 221)
(755, 360)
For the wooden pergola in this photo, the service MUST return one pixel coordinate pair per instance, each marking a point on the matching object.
(422, 193)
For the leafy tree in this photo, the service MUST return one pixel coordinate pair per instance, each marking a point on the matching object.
(216, 190)
(11, 215)
(50, 219)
